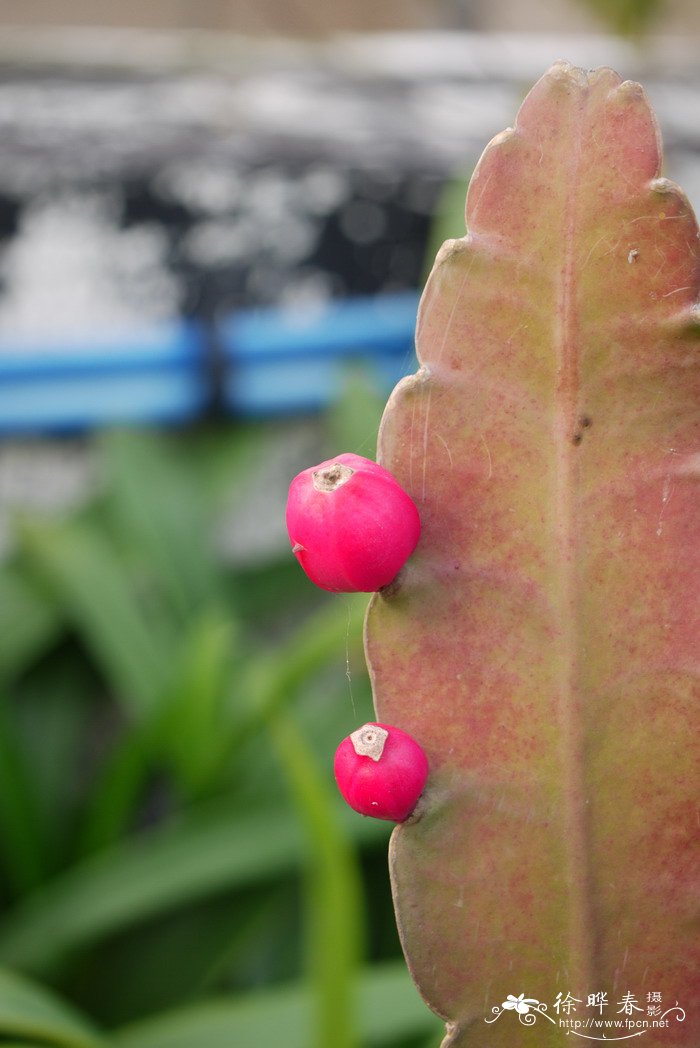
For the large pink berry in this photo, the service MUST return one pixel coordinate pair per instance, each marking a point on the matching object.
(381, 771)
(351, 524)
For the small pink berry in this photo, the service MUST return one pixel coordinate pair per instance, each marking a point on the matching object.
(351, 524)
(381, 771)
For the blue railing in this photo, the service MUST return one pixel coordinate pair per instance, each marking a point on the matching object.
(255, 363)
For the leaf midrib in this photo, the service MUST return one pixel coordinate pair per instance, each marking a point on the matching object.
(566, 352)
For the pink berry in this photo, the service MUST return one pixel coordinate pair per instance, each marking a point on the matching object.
(381, 771)
(351, 524)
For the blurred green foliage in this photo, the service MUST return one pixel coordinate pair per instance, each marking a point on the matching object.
(176, 865)
(630, 18)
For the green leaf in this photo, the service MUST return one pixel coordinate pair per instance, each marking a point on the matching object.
(53, 713)
(264, 684)
(214, 850)
(335, 913)
(161, 964)
(388, 1009)
(333, 632)
(147, 876)
(161, 512)
(189, 728)
(21, 839)
(29, 622)
(253, 937)
(115, 794)
(542, 644)
(81, 568)
(32, 1012)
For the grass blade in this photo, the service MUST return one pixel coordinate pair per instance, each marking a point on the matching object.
(21, 838)
(389, 1009)
(335, 915)
(32, 1012)
(29, 622)
(115, 795)
(81, 567)
(333, 631)
(159, 508)
(213, 850)
(189, 729)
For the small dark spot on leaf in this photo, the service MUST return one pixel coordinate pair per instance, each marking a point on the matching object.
(577, 438)
(585, 421)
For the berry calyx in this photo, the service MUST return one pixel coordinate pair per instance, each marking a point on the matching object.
(381, 771)
(351, 525)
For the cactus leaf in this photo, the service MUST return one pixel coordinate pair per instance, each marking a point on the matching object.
(541, 643)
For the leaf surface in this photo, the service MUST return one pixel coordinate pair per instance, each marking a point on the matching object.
(214, 851)
(389, 1010)
(542, 642)
(334, 921)
(33, 1012)
(86, 575)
